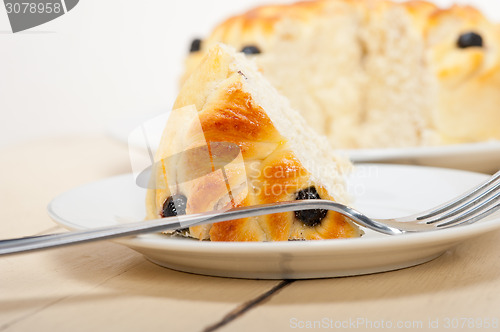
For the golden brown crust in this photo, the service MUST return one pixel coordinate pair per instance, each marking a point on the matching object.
(264, 18)
(235, 118)
(281, 176)
(245, 229)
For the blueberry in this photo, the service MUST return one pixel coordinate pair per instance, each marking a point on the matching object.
(470, 39)
(310, 218)
(174, 205)
(195, 45)
(250, 50)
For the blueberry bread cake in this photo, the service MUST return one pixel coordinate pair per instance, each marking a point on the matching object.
(225, 104)
(374, 73)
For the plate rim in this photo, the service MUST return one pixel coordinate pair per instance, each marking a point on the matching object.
(380, 154)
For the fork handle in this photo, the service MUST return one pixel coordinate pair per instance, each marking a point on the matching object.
(18, 245)
(32, 243)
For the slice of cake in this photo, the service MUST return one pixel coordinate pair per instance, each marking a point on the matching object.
(232, 141)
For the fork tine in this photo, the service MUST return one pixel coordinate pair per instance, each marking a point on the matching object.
(469, 204)
(474, 219)
(476, 212)
(461, 199)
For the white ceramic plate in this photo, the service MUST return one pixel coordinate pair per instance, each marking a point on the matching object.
(380, 190)
(478, 157)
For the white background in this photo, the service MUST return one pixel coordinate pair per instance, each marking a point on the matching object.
(106, 60)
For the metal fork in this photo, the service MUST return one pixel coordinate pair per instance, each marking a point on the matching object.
(468, 208)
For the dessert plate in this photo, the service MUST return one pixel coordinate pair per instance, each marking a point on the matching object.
(379, 190)
(477, 157)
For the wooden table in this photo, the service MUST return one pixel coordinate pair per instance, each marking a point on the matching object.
(104, 286)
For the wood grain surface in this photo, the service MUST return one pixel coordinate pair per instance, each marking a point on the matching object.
(104, 286)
